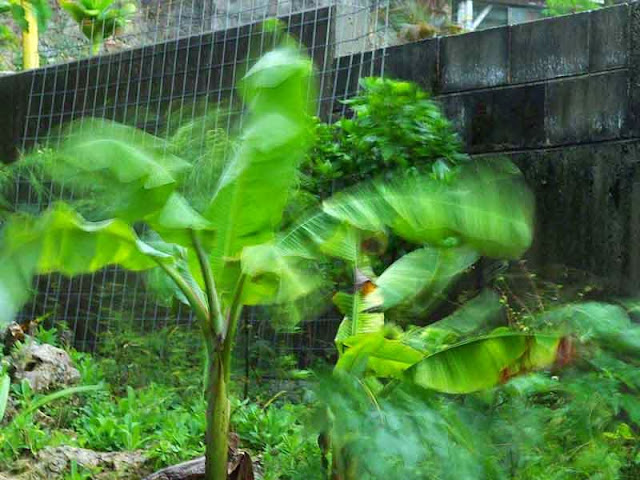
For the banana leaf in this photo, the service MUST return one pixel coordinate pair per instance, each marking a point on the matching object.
(60, 240)
(483, 362)
(249, 200)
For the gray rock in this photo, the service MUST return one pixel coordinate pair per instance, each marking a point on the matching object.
(45, 367)
(54, 462)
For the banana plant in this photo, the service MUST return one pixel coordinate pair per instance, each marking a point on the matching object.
(200, 256)
(31, 16)
(99, 19)
(485, 210)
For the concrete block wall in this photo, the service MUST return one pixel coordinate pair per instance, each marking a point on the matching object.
(561, 97)
(564, 80)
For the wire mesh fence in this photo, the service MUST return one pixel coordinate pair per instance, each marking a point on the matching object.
(362, 24)
(184, 65)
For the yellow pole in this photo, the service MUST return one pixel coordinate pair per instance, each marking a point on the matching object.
(31, 59)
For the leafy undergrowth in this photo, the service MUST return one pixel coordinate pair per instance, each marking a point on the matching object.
(157, 410)
(582, 422)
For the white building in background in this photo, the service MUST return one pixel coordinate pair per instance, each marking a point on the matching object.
(477, 15)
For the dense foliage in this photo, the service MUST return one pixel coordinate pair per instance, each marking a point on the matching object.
(395, 127)
(564, 7)
(160, 411)
(580, 423)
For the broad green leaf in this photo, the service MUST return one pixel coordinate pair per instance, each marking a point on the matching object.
(176, 221)
(177, 215)
(62, 241)
(275, 277)
(540, 353)
(418, 209)
(344, 302)
(426, 272)
(384, 357)
(429, 339)
(483, 362)
(361, 207)
(127, 169)
(494, 208)
(248, 203)
(487, 206)
(320, 234)
(366, 322)
(345, 330)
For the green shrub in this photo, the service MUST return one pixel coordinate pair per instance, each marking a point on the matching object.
(395, 127)
(563, 7)
(287, 449)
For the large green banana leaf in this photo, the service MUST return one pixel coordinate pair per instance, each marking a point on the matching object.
(480, 314)
(322, 234)
(130, 172)
(361, 207)
(248, 203)
(274, 277)
(383, 356)
(367, 323)
(483, 362)
(363, 323)
(487, 206)
(473, 315)
(60, 240)
(176, 221)
(426, 272)
(464, 367)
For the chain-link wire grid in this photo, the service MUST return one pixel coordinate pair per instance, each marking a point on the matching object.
(187, 65)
